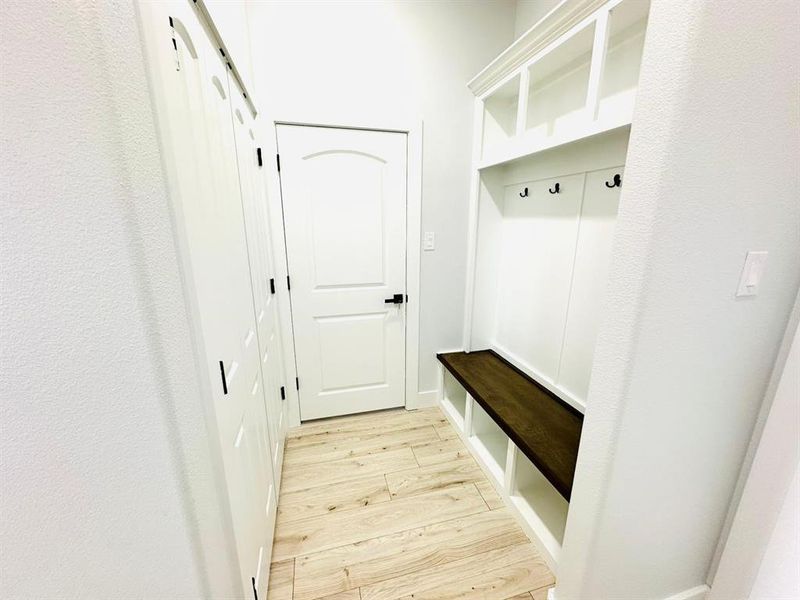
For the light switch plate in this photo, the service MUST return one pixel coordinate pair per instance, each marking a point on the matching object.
(428, 241)
(753, 270)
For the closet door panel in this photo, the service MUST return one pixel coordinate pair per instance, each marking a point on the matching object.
(189, 84)
(538, 245)
(261, 264)
(590, 275)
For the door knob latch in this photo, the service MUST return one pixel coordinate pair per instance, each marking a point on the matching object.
(396, 299)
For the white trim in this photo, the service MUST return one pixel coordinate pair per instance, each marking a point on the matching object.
(413, 128)
(413, 261)
(472, 224)
(696, 593)
(549, 28)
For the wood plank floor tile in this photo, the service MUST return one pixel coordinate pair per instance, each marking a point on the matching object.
(349, 445)
(497, 584)
(281, 580)
(505, 572)
(301, 477)
(336, 529)
(391, 420)
(390, 556)
(439, 451)
(434, 477)
(375, 506)
(490, 495)
(321, 500)
(349, 595)
(446, 431)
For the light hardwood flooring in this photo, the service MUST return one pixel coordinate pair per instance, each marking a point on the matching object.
(391, 506)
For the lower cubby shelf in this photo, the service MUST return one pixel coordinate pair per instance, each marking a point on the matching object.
(540, 504)
(489, 441)
(454, 399)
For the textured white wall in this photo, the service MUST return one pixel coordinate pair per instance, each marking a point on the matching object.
(763, 540)
(528, 13)
(779, 575)
(106, 484)
(377, 62)
(682, 365)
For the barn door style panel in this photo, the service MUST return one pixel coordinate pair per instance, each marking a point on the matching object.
(192, 97)
(539, 231)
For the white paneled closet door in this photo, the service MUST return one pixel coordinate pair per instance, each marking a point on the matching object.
(192, 97)
(262, 273)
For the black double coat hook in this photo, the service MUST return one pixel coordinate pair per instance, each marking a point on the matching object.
(617, 182)
(524, 193)
(555, 190)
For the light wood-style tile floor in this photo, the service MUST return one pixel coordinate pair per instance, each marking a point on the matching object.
(390, 505)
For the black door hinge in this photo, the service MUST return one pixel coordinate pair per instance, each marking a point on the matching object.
(297, 383)
(278, 160)
(224, 381)
(283, 393)
(271, 285)
(258, 154)
(288, 283)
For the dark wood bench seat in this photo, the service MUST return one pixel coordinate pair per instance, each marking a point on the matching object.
(545, 428)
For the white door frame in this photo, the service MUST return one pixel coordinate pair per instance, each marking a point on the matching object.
(414, 131)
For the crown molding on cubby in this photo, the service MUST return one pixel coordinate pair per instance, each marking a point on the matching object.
(554, 24)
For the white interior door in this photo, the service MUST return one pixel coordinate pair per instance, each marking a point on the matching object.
(344, 203)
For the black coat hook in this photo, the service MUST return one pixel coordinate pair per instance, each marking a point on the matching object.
(524, 194)
(556, 190)
(617, 182)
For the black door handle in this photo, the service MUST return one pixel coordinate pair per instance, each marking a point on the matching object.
(396, 299)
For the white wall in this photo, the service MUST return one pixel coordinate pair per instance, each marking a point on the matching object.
(377, 62)
(681, 365)
(779, 575)
(760, 549)
(99, 387)
(529, 12)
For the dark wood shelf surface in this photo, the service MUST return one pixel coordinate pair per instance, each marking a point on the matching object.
(545, 428)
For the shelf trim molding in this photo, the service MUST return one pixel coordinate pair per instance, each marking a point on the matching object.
(548, 29)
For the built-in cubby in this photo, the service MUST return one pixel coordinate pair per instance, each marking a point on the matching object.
(558, 86)
(553, 115)
(489, 441)
(454, 399)
(539, 503)
(627, 23)
(500, 116)
(577, 86)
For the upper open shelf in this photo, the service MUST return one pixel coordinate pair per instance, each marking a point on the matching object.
(579, 82)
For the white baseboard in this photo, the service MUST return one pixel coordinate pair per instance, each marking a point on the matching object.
(427, 399)
(695, 593)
